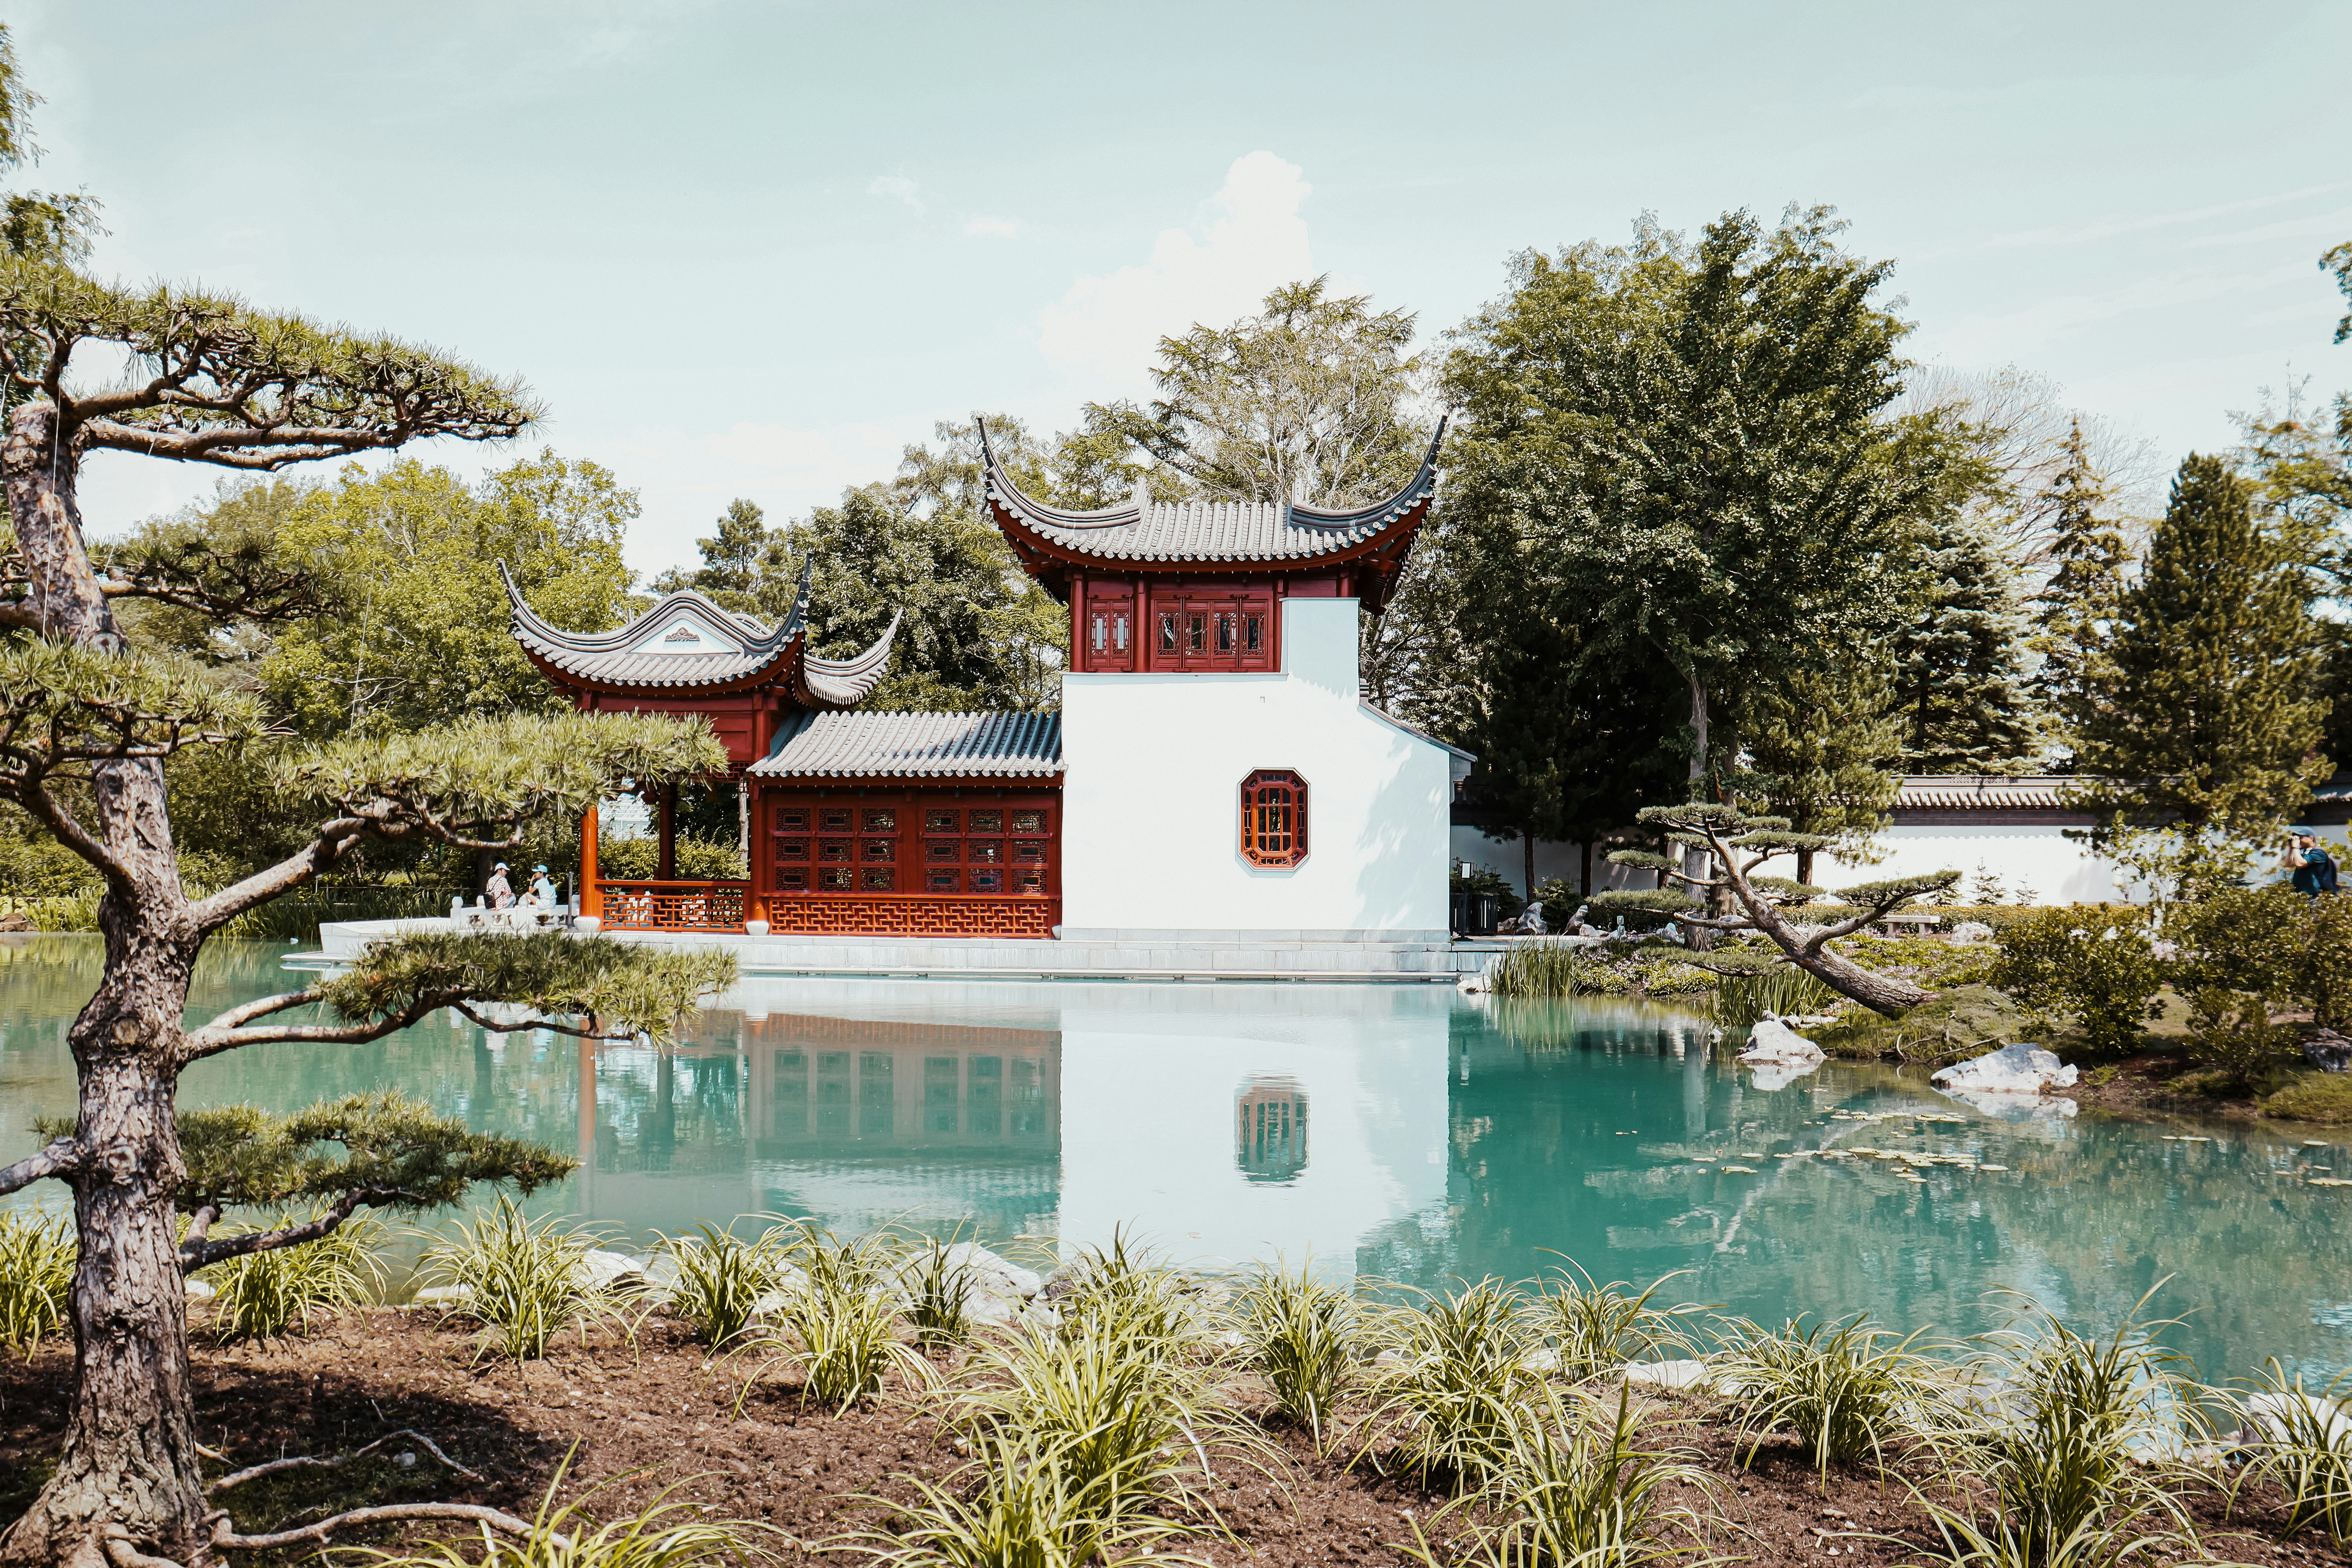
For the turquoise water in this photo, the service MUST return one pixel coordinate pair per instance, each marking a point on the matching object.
(1397, 1131)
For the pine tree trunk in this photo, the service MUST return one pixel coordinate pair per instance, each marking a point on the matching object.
(129, 1458)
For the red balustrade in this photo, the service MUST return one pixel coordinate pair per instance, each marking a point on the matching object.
(674, 906)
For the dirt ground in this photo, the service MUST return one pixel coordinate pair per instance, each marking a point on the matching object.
(660, 1414)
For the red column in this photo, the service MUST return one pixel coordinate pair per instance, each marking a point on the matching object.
(592, 902)
(760, 865)
(665, 862)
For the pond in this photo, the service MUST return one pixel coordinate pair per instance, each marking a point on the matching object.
(1399, 1132)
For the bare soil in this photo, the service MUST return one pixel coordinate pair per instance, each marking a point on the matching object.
(660, 1414)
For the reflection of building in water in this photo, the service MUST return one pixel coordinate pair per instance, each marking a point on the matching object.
(1270, 1131)
(847, 1086)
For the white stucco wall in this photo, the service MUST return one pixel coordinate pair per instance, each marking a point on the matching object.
(1150, 826)
(2041, 860)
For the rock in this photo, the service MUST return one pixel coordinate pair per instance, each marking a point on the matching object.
(14, 922)
(2269, 1414)
(1542, 1363)
(450, 1296)
(1972, 930)
(603, 1270)
(659, 1271)
(1773, 1041)
(201, 1290)
(1668, 1375)
(2327, 1050)
(2019, 1068)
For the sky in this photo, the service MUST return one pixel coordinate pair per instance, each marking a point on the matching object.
(755, 248)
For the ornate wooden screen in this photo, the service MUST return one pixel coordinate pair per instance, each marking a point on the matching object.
(914, 862)
(1274, 817)
(1211, 630)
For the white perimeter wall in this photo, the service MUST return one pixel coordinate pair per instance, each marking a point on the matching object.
(1152, 798)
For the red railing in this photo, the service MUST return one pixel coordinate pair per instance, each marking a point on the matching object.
(911, 914)
(674, 906)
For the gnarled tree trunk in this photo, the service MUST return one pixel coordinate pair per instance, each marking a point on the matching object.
(129, 1460)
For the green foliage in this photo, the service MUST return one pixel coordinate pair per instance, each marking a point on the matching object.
(2321, 1096)
(1301, 1338)
(1552, 969)
(1846, 1389)
(2093, 964)
(1594, 1328)
(524, 1280)
(1447, 1404)
(664, 1534)
(36, 1268)
(62, 707)
(1132, 1291)
(1960, 695)
(1956, 1025)
(2235, 1034)
(1822, 752)
(1665, 977)
(2064, 1470)
(1016, 1505)
(2303, 1444)
(1576, 1483)
(385, 1144)
(2077, 605)
(1469, 879)
(693, 858)
(269, 1294)
(2200, 704)
(1936, 963)
(2270, 941)
(2339, 260)
(837, 1322)
(627, 988)
(721, 1278)
(1784, 991)
(938, 1282)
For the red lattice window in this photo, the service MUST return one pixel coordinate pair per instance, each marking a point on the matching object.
(1274, 817)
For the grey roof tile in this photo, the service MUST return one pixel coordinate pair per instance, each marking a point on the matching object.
(917, 745)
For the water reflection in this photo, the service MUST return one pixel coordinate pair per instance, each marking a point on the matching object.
(1447, 1138)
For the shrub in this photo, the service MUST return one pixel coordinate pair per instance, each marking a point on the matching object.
(268, 1295)
(839, 1322)
(2095, 963)
(692, 858)
(2242, 938)
(2313, 1097)
(2232, 1032)
(1665, 977)
(36, 1267)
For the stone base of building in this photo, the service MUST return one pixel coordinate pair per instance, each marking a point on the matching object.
(1320, 955)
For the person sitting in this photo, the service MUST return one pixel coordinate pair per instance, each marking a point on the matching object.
(542, 888)
(498, 889)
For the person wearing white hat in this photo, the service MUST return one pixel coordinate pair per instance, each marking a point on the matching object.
(500, 891)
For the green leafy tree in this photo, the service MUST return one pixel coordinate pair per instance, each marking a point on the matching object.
(87, 726)
(2088, 562)
(1821, 750)
(2202, 717)
(2338, 260)
(1958, 681)
(38, 226)
(1690, 435)
(1305, 402)
(732, 559)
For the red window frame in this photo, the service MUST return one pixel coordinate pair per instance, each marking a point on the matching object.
(1274, 817)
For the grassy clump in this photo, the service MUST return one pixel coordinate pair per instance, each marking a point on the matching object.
(939, 1284)
(1594, 1328)
(1784, 991)
(1301, 1336)
(838, 1321)
(526, 1281)
(2313, 1097)
(2303, 1443)
(1847, 1390)
(36, 1268)
(1575, 1482)
(664, 1535)
(721, 1278)
(1455, 1369)
(1552, 969)
(268, 1295)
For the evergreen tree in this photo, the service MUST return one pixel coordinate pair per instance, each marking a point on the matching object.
(1823, 748)
(1958, 686)
(2088, 559)
(2201, 707)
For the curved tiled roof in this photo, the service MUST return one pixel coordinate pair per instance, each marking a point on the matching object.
(915, 745)
(1234, 532)
(687, 640)
(1981, 792)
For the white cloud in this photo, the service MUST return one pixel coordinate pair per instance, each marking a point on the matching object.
(1110, 326)
(991, 227)
(897, 188)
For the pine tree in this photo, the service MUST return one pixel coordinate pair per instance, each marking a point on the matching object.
(1821, 750)
(1959, 688)
(2088, 559)
(2201, 707)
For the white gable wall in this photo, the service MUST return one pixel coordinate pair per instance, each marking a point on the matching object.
(1151, 801)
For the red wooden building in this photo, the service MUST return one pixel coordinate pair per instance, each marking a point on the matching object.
(914, 824)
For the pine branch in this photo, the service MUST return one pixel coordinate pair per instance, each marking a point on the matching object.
(62, 1157)
(199, 1252)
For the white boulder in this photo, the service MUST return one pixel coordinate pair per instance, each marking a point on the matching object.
(1668, 1375)
(1773, 1041)
(603, 1270)
(1972, 930)
(201, 1290)
(2019, 1068)
(2273, 1417)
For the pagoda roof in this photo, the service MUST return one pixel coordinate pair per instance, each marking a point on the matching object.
(915, 745)
(687, 642)
(1219, 535)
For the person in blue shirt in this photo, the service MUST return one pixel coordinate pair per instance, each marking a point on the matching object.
(542, 887)
(2314, 871)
